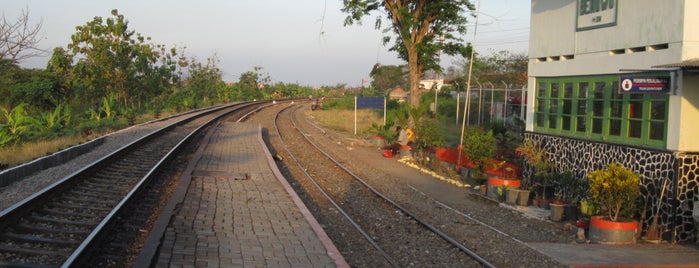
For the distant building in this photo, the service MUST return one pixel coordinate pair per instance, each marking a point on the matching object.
(618, 81)
(432, 84)
(399, 94)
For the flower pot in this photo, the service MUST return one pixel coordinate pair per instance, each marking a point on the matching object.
(557, 211)
(603, 231)
(523, 198)
(512, 196)
(379, 141)
(545, 203)
(405, 151)
(495, 182)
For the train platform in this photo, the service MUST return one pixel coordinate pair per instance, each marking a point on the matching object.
(574, 255)
(234, 209)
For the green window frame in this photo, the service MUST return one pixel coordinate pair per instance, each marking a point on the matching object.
(593, 108)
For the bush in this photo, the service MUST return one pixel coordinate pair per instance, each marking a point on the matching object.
(429, 134)
(346, 103)
(615, 190)
(479, 145)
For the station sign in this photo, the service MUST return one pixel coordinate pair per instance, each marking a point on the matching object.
(644, 84)
(593, 14)
(370, 102)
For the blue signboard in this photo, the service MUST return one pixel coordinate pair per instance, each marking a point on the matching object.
(370, 102)
(644, 84)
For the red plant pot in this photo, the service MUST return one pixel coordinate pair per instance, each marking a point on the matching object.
(497, 182)
(604, 231)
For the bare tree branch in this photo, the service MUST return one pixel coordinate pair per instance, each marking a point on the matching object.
(18, 38)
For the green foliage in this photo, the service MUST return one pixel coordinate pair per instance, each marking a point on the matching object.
(508, 137)
(422, 30)
(106, 57)
(252, 84)
(502, 67)
(92, 127)
(568, 187)
(429, 134)
(535, 156)
(55, 123)
(346, 103)
(17, 123)
(387, 131)
(479, 145)
(108, 75)
(109, 106)
(615, 190)
(387, 77)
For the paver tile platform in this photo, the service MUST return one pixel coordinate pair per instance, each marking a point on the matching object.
(238, 211)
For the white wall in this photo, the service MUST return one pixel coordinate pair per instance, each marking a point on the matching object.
(556, 49)
(640, 23)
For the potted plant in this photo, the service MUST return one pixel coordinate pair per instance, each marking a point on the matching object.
(429, 137)
(542, 169)
(614, 190)
(478, 147)
(382, 134)
(568, 191)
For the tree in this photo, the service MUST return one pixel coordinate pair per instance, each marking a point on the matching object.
(387, 77)
(502, 66)
(18, 38)
(206, 81)
(111, 59)
(423, 29)
(252, 84)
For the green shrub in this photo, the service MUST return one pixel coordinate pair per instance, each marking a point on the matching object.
(429, 134)
(341, 103)
(479, 145)
(615, 190)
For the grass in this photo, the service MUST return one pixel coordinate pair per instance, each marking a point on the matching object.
(343, 120)
(17, 155)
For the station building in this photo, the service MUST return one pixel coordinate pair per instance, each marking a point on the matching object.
(618, 81)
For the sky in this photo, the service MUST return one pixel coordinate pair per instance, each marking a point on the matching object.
(299, 41)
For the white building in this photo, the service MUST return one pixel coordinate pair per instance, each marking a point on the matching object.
(618, 81)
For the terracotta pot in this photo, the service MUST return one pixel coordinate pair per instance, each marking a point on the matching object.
(603, 231)
(523, 198)
(557, 211)
(379, 141)
(495, 182)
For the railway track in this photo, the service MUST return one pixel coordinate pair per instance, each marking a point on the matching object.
(383, 228)
(63, 223)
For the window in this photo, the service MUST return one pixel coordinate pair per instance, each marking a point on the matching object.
(593, 108)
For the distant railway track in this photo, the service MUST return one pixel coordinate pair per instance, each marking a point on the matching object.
(381, 225)
(62, 224)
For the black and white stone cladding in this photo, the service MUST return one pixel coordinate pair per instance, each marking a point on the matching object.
(679, 170)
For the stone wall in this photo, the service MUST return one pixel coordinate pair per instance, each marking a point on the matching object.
(679, 171)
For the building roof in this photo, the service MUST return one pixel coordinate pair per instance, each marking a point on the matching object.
(397, 91)
(689, 64)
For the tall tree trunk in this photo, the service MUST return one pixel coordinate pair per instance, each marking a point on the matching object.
(414, 73)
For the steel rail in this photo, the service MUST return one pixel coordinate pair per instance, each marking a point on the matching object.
(18, 210)
(433, 229)
(330, 199)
